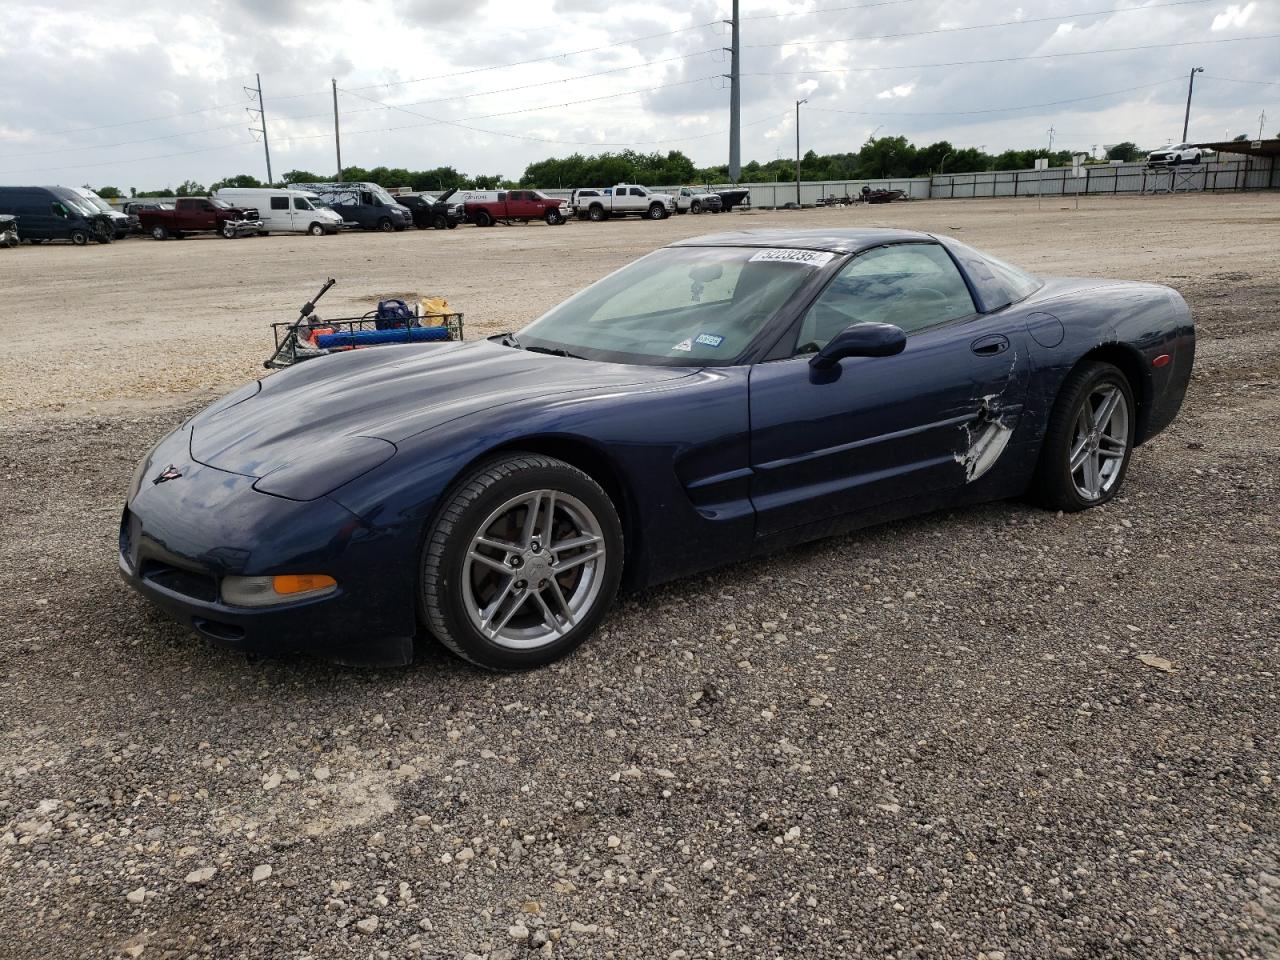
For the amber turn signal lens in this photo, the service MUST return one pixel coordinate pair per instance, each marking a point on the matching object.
(302, 583)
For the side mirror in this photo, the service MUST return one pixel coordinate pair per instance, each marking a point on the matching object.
(860, 340)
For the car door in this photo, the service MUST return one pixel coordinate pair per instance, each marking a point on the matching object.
(278, 214)
(872, 430)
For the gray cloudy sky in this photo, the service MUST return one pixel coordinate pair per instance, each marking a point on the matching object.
(148, 93)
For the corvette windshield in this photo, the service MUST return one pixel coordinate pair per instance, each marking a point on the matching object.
(678, 306)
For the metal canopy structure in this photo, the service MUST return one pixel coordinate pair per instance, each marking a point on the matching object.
(1251, 148)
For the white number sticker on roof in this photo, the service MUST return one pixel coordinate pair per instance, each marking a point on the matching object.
(805, 258)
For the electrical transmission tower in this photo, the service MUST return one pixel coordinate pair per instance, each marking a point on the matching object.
(262, 120)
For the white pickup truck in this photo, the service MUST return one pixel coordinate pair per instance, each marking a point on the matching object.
(620, 200)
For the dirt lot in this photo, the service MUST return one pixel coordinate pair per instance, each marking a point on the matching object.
(933, 739)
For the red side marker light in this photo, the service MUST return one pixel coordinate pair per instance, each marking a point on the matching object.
(1161, 361)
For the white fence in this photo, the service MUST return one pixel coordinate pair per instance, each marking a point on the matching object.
(1249, 173)
(1255, 173)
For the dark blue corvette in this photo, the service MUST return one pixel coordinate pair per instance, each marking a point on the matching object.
(717, 399)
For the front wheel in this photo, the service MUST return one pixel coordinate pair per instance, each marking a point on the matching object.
(440, 222)
(695, 207)
(316, 230)
(229, 230)
(1089, 441)
(522, 563)
(385, 225)
(553, 218)
(79, 237)
(657, 212)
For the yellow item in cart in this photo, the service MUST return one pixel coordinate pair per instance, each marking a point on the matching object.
(432, 311)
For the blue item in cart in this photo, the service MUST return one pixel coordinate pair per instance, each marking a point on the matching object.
(369, 338)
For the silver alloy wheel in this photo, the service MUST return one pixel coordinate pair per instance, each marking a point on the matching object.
(534, 569)
(1100, 441)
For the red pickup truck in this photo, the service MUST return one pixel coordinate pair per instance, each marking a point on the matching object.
(178, 217)
(484, 208)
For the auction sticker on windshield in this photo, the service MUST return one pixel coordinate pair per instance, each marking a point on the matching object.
(806, 258)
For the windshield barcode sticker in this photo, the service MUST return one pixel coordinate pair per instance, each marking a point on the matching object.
(806, 258)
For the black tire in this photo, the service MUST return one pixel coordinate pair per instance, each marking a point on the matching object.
(1053, 487)
(316, 230)
(453, 224)
(228, 230)
(695, 207)
(483, 219)
(385, 225)
(79, 237)
(657, 211)
(440, 222)
(596, 213)
(441, 601)
(553, 218)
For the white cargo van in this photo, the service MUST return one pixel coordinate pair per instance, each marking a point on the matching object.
(285, 211)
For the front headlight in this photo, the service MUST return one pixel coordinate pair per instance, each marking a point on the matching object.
(269, 591)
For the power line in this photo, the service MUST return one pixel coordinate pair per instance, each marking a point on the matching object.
(810, 13)
(1038, 56)
(1025, 106)
(1265, 83)
(978, 26)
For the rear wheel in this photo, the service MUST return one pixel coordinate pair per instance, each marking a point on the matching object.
(483, 219)
(1089, 442)
(522, 564)
(159, 233)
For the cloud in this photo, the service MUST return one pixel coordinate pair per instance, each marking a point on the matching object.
(901, 90)
(1233, 16)
(155, 93)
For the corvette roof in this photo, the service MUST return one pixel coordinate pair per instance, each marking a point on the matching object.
(842, 240)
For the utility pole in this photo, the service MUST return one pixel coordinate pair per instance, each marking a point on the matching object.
(1191, 85)
(798, 102)
(1262, 119)
(1051, 133)
(735, 99)
(337, 138)
(262, 117)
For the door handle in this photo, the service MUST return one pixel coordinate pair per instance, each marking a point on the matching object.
(990, 345)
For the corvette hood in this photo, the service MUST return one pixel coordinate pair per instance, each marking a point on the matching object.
(389, 393)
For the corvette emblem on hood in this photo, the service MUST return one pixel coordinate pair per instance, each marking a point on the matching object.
(168, 473)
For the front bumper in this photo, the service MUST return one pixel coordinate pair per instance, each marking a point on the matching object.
(243, 228)
(179, 538)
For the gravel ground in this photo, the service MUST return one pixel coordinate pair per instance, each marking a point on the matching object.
(934, 739)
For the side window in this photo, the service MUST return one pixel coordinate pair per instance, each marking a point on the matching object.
(59, 210)
(301, 203)
(912, 285)
(279, 203)
(366, 198)
(637, 192)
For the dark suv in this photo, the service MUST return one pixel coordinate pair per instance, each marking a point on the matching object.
(435, 212)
